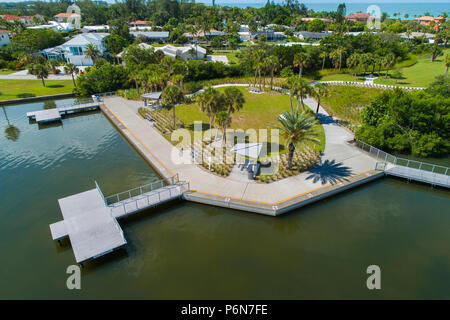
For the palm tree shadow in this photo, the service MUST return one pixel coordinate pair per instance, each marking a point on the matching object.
(329, 172)
(325, 119)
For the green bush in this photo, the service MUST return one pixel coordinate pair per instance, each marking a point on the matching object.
(416, 122)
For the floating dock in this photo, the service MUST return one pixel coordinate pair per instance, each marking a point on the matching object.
(90, 219)
(51, 115)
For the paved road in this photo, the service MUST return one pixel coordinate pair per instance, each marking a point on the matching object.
(339, 159)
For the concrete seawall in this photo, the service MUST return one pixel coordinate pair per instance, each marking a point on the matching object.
(40, 98)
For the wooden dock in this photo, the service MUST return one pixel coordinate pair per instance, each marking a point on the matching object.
(56, 114)
(90, 219)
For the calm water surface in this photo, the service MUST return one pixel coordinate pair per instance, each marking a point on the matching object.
(186, 250)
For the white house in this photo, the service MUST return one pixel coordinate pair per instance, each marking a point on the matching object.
(101, 28)
(190, 52)
(57, 26)
(4, 38)
(74, 49)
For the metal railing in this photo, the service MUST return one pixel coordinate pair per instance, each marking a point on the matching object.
(408, 163)
(131, 194)
(369, 85)
(105, 94)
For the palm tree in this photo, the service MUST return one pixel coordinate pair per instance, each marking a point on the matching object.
(297, 128)
(211, 101)
(323, 55)
(234, 101)
(92, 52)
(11, 132)
(71, 69)
(447, 64)
(258, 56)
(340, 52)
(388, 62)
(334, 55)
(301, 60)
(353, 62)
(168, 63)
(223, 120)
(52, 63)
(171, 96)
(291, 83)
(319, 91)
(303, 89)
(136, 77)
(274, 64)
(40, 71)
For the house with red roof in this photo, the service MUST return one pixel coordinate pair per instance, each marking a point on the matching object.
(139, 23)
(28, 20)
(428, 20)
(358, 17)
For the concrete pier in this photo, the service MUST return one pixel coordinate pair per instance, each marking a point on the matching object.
(56, 114)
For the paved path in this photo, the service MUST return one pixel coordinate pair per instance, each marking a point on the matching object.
(23, 75)
(339, 159)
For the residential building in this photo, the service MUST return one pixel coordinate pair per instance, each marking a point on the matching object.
(315, 36)
(37, 18)
(190, 52)
(12, 18)
(428, 20)
(4, 38)
(145, 28)
(244, 28)
(152, 36)
(57, 26)
(311, 19)
(141, 45)
(413, 35)
(64, 17)
(139, 23)
(358, 17)
(74, 49)
(271, 36)
(102, 28)
(201, 34)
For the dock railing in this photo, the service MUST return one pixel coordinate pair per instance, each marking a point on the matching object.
(408, 163)
(146, 188)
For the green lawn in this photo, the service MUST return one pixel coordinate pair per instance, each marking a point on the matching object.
(16, 89)
(422, 74)
(7, 71)
(260, 111)
(345, 103)
(231, 55)
(416, 72)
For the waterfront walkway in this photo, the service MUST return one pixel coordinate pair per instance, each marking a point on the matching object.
(341, 166)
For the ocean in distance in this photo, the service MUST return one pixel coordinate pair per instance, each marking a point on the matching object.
(412, 9)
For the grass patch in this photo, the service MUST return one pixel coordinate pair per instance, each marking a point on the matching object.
(232, 56)
(345, 103)
(16, 89)
(7, 71)
(260, 111)
(421, 74)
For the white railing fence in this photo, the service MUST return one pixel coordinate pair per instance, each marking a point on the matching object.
(389, 158)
